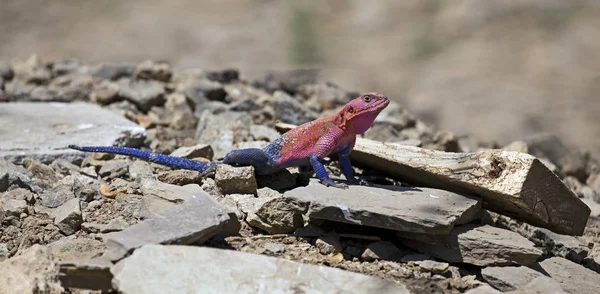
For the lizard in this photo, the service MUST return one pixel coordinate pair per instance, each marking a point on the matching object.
(304, 146)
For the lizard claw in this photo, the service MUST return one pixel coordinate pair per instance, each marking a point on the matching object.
(210, 171)
(331, 183)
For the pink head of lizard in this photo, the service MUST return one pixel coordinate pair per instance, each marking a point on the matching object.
(358, 115)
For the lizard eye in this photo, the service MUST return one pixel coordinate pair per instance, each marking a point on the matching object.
(367, 98)
(351, 110)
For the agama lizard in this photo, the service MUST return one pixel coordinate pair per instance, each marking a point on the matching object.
(303, 146)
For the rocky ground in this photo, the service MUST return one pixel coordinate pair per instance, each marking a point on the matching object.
(434, 219)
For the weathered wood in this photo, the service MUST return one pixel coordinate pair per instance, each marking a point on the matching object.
(511, 183)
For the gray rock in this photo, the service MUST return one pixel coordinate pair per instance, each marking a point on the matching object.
(105, 93)
(140, 169)
(222, 131)
(161, 269)
(573, 278)
(481, 245)
(329, 244)
(143, 93)
(413, 210)
(93, 274)
(114, 168)
(113, 71)
(540, 285)
(558, 245)
(160, 196)
(152, 70)
(289, 80)
(236, 180)
(6, 71)
(485, 289)
(4, 252)
(432, 266)
(263, 133)
(34, 271)
(13, 207)
(33, 70)
(509, 278)
(56, 126)
(70, 248)
(382, 250)
(66, 66)
(271, 213)
(13, 175)
(202, 89)
(281, 181)
(19, 194)
(191, 152)
(180, 177)
(290, 110)
(67, 217)
(194, 221)
(114, 225)
(325, 96)
(56, 196)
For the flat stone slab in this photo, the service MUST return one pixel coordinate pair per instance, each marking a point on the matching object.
(43, 131)
(190, 269)
(573, 278)
(481, 245)
(196, 220)
(509, 278)
(415, 210)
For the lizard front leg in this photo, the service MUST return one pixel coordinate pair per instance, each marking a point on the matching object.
(322, 173)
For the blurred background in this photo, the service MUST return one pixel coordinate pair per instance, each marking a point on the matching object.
(500, 70)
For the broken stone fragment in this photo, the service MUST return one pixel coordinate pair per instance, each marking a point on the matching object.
(573, 278)
(481, 245)
(13, 175)
(34, 271)
(288, 109)
(113, 71)
(180, 177)
(58, 125)
(511, 183)
(161, 269)
(152, 70)
(509, 278)
(67, 217)
(432, 266)
(143, 93)
(93, 274)
(329, 244)
(194, 221)
(411, 210)
(222, 131)
(236, 180)
(160, 196)
(382, 250)
(191, 152)
(140, 169)
(76, 248)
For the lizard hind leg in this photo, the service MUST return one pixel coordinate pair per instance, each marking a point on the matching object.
(261, 161)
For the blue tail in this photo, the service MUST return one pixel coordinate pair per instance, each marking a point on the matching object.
(166, 160)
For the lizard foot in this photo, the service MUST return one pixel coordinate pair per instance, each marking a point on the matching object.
(331, 183)
(210, 171)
